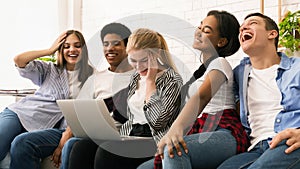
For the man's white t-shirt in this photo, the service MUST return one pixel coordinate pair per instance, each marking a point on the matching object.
(104, 84)
(264, 98)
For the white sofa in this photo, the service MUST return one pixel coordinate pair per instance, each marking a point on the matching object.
(46, 163)
(4, 164)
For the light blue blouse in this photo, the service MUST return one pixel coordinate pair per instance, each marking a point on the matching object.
(40, 111)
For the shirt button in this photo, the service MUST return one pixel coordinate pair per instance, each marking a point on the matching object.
(145, 108)
(278, 120)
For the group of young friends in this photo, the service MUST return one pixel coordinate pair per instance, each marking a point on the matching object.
(246, 117)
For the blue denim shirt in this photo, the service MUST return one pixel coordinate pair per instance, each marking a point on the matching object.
(288, 81)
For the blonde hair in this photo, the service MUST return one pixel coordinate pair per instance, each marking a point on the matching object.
(153, 42)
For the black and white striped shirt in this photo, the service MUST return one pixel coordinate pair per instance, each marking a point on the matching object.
(163, 106)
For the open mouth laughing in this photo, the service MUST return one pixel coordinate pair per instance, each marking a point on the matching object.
(246, 36)
(143, 72)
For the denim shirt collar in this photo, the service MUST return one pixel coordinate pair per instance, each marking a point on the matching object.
(285, 62)
(290, 115)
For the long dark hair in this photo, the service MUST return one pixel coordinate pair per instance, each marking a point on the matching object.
(85, 69)
(228, 27)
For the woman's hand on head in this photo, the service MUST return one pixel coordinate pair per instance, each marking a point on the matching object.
(60, 40)
(152, 67)
(151, 76)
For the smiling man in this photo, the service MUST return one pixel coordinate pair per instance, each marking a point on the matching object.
(114, 37)
(103, 84)
(268, 91)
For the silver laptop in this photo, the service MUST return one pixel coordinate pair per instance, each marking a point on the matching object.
(68, 110)
(94, 119)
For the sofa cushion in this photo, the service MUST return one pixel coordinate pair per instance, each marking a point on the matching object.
(4, 164)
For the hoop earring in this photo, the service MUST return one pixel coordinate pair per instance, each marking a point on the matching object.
(201, 58)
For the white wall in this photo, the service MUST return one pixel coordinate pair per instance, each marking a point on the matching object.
(95, 14)
(25, 25)
(35, 24)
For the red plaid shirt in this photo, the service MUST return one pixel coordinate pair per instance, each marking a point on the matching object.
(229, 119)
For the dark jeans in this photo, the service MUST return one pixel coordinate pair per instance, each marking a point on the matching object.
(105, 159)
(82, 155)
(262, 157)
(86, 154)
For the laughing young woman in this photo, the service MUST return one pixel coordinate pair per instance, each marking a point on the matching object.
(24, 119)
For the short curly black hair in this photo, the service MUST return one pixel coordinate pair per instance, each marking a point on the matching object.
(116, 28)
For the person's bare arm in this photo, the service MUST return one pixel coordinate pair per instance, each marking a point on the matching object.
(56, 157)
(189, 113)
(23, 59)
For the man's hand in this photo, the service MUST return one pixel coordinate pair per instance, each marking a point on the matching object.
(291, 135)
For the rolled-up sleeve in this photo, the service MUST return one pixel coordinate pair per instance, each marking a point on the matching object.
(34, 71)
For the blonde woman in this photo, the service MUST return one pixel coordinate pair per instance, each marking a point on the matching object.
(153, 97)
